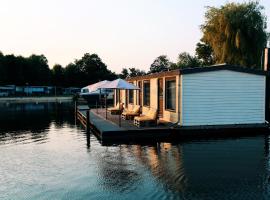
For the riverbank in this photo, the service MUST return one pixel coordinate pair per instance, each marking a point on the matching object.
(57, 99)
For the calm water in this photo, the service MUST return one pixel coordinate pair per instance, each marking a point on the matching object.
(45, 155)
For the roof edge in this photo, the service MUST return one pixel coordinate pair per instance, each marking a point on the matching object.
(183, 71)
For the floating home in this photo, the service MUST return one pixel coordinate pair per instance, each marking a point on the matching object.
(205, 96)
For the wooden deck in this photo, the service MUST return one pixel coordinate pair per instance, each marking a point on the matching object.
(109, 129)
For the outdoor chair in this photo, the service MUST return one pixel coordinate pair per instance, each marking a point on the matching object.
(130, 114)
(149, 119)
(117, 110)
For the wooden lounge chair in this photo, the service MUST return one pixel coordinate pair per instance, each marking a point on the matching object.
(117, 110)
(149, 119)
(130, 114)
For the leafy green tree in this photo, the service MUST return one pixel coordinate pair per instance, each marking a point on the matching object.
(131, 72)
(204, 53)
(72, 75)
(37, 72)
(173, 66)
(124, 73)
(185, 60)
(160, 64)
(2, 69)
(58, 78)
(19, 70)
(90, 69)
(135, 72)
(236, 32)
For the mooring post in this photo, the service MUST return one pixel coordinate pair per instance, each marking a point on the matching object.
(87, 121)
(76, 110)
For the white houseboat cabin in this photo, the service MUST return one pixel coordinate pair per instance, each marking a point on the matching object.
(215, 95)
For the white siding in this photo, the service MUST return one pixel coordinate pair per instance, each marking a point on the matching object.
(222, 97)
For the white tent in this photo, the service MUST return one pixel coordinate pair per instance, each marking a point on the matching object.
(118, 84)
(94, 88)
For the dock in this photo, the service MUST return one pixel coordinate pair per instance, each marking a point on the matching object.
(108, 129)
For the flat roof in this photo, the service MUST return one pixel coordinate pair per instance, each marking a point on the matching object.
(201, 70)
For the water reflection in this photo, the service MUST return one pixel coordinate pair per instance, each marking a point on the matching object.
(21, 122)
(200, 169)
(43, 155)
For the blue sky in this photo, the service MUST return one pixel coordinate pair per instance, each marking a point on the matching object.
(124, 33)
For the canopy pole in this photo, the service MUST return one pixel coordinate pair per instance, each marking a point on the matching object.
(100, 102)
(119, 117)
(105, 103)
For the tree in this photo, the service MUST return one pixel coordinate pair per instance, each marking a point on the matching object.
(58, 78)
(160, 64)
(124, 73)
(204, 53)
(72, 75)
(135, 72)
(185, 60)
(37, 71)
(131, 72)
(2, 69)
(90, 69)
(236, 32)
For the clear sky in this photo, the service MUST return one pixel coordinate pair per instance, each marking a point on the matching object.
(124, 33)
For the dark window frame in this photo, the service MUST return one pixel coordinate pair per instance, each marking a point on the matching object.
(167, 107)
(131, 96)
(146, 100)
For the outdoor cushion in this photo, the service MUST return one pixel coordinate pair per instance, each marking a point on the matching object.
(116, 107)
(150, 115)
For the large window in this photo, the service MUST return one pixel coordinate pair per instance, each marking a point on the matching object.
(146, 93)
(130, 96)
(170, 99)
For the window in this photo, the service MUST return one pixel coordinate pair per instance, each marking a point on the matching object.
(130, 96)
(146, 93)
(170, 98)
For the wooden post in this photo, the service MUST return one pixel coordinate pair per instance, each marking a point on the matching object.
(87, 121)
(76, 109)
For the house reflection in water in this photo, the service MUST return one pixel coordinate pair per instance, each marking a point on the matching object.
(165, 162)
(189, 169)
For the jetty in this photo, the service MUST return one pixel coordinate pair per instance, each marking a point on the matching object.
(109, 130)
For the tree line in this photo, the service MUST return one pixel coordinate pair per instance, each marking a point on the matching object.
(234, 33)
(34, 70)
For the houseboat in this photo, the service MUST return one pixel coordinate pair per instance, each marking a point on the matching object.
(205, 96)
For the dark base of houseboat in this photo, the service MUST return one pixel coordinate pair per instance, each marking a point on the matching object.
(180, 134)
(110, 131)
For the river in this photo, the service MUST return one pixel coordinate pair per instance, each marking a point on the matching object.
(44, 154)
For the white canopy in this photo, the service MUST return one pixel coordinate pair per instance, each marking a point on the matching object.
(95, 87)
(119, 84)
